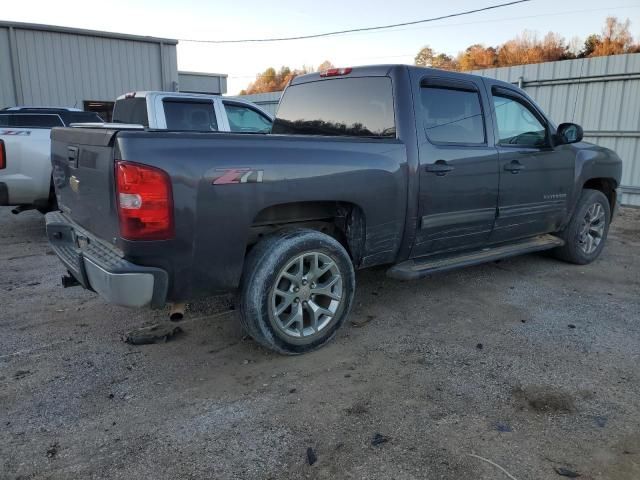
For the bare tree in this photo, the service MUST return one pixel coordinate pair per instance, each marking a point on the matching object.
(616, 38)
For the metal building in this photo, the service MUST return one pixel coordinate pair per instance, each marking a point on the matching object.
(44, 65)
(200, 82)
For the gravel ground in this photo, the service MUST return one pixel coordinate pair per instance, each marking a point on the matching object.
(530, 363)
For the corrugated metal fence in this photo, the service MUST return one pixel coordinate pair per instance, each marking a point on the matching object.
(601, 94)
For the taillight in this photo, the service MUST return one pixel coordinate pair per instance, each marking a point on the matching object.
(145, 202)
(3, 156)
(336, 72)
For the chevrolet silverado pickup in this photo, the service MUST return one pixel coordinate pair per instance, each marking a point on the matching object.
(25, 154)
(418, 169)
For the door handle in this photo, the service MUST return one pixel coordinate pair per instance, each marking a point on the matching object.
(440, 168)
(514, 166)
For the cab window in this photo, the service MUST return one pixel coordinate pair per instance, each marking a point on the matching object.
(517, 124)
(452, 115)
(246, 119)
(190, 115)
(353, 107)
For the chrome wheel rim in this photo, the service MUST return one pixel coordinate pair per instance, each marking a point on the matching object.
(592, 229)
(306, 296)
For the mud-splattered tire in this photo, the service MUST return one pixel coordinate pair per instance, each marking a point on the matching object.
(297, 289)
(587, 231)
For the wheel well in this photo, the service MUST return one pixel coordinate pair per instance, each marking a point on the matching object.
(342, 220)
(606, 186)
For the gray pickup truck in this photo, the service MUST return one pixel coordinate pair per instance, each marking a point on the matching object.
(418, 169)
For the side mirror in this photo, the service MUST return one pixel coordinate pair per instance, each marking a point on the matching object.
(569, 133)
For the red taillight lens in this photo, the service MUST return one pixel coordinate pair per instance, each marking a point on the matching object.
(3, 156)
(336, 72)
(145, 202)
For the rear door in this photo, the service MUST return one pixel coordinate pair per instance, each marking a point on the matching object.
(535, 177)
(458, 163)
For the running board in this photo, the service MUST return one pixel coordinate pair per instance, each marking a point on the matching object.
(421, 267)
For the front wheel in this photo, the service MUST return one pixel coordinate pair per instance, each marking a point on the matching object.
(587, 231)
(297, 290)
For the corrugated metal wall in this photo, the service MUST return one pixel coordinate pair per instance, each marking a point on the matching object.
(601, 94)
(64, 67)
(197, 82)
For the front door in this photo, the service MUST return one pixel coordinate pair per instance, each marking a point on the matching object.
(535, 176)
(458, 165)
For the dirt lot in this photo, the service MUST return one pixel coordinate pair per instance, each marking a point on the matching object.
(530, 363)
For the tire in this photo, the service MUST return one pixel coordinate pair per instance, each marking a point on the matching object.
(578, 248)
(52, 202)
(282, 318)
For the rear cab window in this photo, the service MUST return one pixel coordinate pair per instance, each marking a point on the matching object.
(190, 115)
(131, 110)
(356, 107)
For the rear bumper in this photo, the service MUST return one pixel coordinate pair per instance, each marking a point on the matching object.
(101, 267)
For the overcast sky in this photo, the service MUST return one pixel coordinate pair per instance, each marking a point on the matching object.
(202, 19)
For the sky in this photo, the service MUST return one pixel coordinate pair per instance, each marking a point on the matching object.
(218, 20)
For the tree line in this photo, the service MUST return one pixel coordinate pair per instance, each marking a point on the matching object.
(275, 81)
(526, 48)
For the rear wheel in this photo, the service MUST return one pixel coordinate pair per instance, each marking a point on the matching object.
(52, 201)
(587, 231)
(297, 290)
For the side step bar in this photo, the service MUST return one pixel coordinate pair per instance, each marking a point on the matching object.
(421, 267)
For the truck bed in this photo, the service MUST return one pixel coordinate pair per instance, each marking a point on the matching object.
(226, 187)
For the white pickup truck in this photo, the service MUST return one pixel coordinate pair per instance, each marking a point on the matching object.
(190, 112)
(25, 165)
(25, 154)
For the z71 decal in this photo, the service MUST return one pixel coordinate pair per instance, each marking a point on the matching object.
(238, 175)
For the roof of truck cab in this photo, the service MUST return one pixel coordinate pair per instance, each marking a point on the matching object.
(147, 93)
(383, 71)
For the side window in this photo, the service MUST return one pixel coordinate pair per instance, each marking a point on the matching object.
(452, 115)
(246, 119)
(517, 124)
(196, 116)
(26, 120)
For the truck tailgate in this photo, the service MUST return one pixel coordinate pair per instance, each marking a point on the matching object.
(83, 176)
